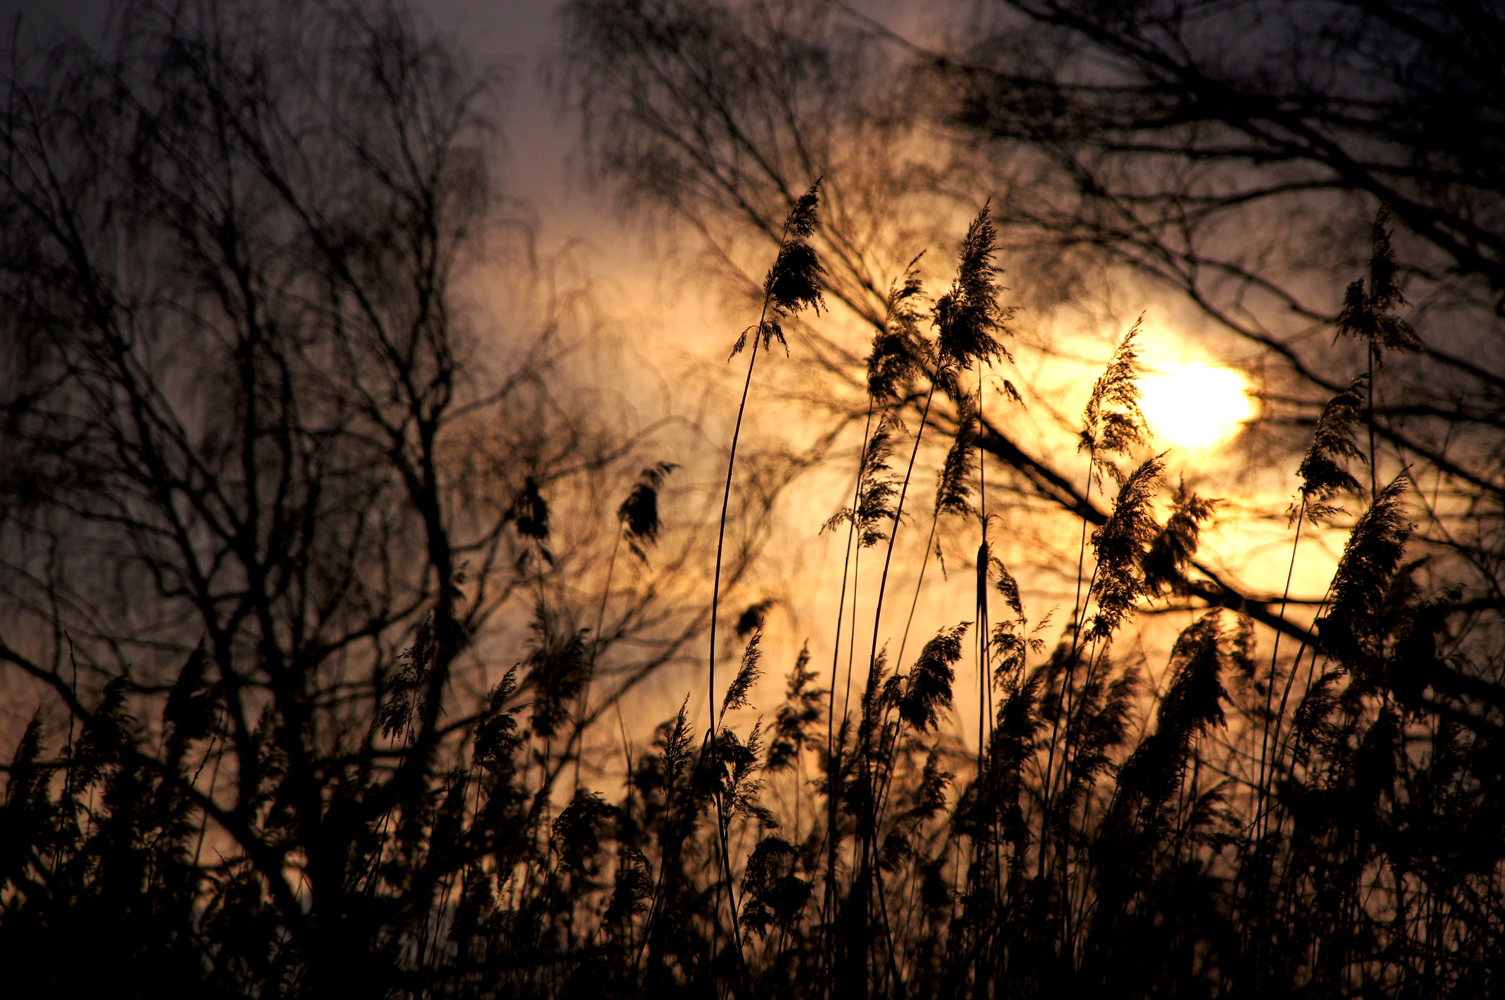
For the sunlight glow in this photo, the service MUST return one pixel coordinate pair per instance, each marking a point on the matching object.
(1197, 405)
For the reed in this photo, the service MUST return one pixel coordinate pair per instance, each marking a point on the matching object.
(1219, 824)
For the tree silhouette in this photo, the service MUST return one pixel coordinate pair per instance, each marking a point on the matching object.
(273, 500)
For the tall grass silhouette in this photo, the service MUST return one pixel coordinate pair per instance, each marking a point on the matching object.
(1227, 823)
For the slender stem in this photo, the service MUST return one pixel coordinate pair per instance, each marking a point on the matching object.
(1264, 740)
(898, 516)
(870, 832)
(726, 499)
(68, 771)
(1078, 610)
(590, 672)
(833, 758)
(894, 534)
(919, 585)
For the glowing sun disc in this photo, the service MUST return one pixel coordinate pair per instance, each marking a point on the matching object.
(1196, 406)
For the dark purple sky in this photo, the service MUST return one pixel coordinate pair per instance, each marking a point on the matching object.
(511, 35)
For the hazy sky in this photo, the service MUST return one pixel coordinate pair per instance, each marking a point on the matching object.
(513, 36)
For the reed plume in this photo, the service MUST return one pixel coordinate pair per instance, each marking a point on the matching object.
(1324, 468)
(792, 284)
(1121, 545)
(747, 675)
(1175, 545)
(639, 512)
(928, 691)
(1368, 314)
(953, 491)
(877, 490)
(1354, 623)
(968, 318)
(899, 348)
(1112, 422)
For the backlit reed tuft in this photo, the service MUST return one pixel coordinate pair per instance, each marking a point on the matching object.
(1154, 775)
(1121, 544)
(968, 318)
(793, 283)
(1012, 641)
(1368, 314)
(580, 830)
(747, 675)
(497, 737)
(953, 491)
(1324, 469)
(676, 751)
(558, 667)
(898, 346)
(1175, 545)
(639, 512)
(1112, 423)
(1353, 624)
(775, 895)
(928, 691)
(877, 490)
(795, 719)
(530, 512)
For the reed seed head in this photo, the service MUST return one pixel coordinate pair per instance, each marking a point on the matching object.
(1112, 422)
(968, 318)
(1323, 470)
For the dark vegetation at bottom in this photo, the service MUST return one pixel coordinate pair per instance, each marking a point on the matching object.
(1349, 845)
(1325, 823)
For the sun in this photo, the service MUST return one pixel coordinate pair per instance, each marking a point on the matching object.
(1196, 405)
